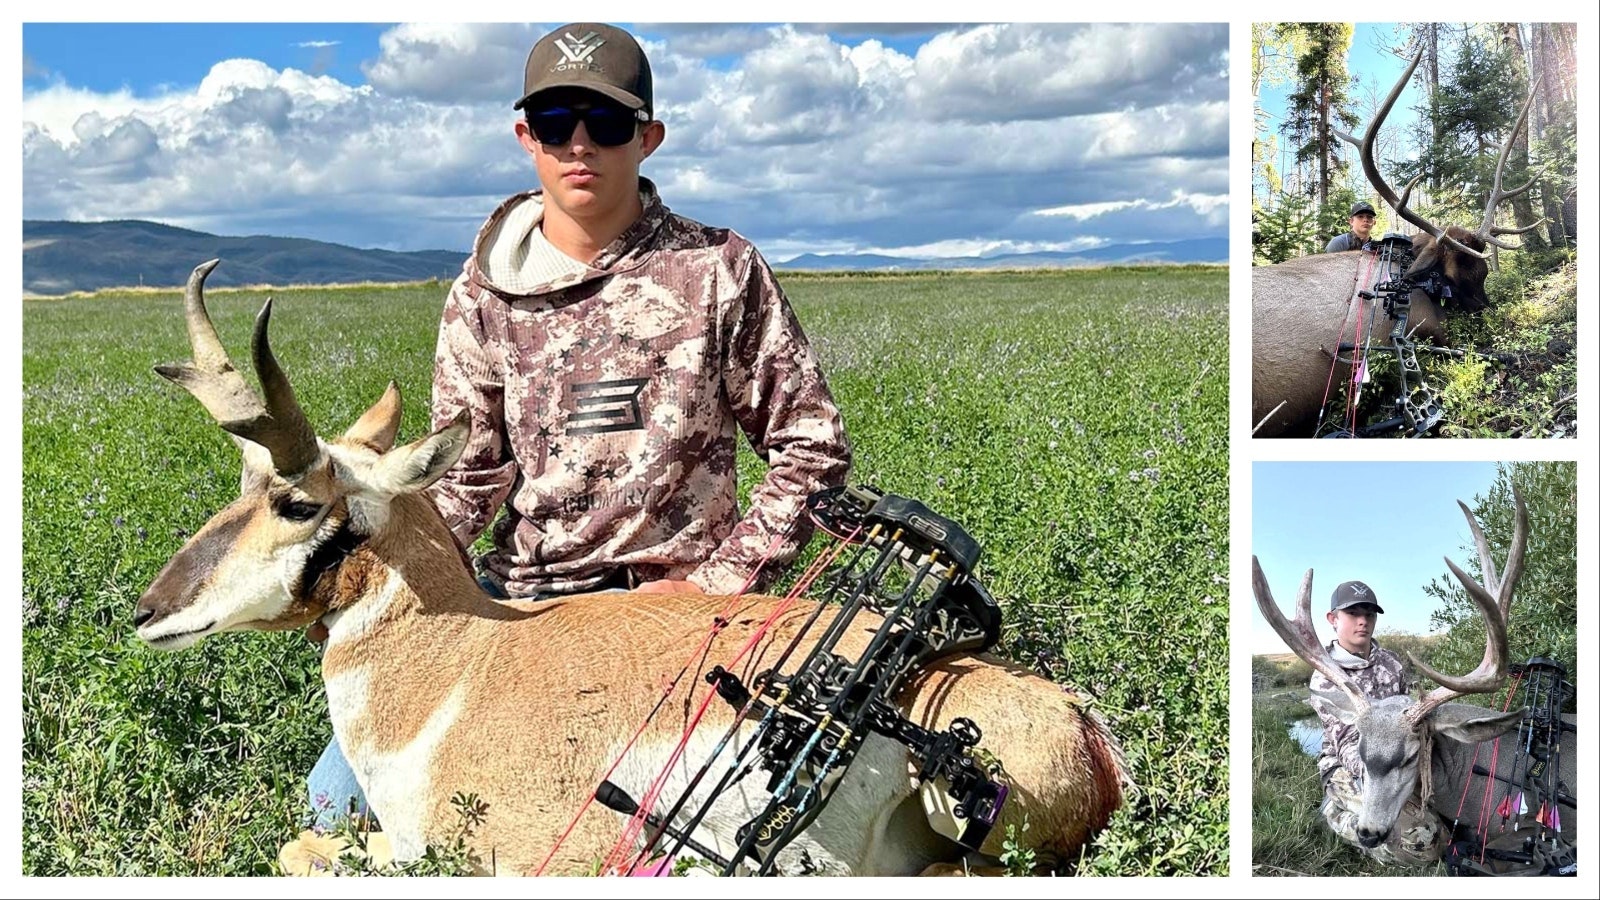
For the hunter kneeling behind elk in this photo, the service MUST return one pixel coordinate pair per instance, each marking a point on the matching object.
(436, 689)
(1309, 314)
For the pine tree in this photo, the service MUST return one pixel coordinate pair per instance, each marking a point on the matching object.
(1286, 231)
(1468, 118)
(1320, 100)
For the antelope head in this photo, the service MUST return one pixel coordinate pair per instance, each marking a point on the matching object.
(1395, 732)
(1459, 254)
(303, 503)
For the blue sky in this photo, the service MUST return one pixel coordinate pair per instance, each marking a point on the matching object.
(1388, 524)
(937, 140)
(152, 59)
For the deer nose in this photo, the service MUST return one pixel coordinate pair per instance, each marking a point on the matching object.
(143, 613)
(1369, 837)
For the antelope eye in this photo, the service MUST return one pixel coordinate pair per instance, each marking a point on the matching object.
(298, 512)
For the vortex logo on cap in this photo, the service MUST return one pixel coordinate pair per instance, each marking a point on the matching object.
(580, 50)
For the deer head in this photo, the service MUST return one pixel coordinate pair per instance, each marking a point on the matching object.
(303, 503)
(1460, 254)
(1396, 731)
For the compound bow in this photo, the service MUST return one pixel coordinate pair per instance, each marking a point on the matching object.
(914, 568)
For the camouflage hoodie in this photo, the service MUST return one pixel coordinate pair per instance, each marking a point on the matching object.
(1380, 675)
(605, 406)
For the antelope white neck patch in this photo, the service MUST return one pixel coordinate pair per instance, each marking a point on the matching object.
(357, 620)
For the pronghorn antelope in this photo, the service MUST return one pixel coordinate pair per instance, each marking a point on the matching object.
(434, 688)
(1423, 743)
(1303, 309)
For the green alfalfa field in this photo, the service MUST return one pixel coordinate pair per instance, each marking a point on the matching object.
(1074, 422)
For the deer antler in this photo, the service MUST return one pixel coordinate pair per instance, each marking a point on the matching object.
(278, 425)
(1301, 635)
(1494, 602)
(1497, 195)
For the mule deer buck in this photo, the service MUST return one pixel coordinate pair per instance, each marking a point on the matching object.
(1303, 309)
(434, 688)
(1425, 742)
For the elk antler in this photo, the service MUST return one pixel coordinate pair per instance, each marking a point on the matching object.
(1488, 229)
(1494, 602)
(1301, 636)
(278, 425)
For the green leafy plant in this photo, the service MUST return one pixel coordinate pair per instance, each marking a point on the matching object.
(1018, 858)
(449, 859)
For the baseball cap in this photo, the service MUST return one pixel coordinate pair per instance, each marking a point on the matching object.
(601, 58)
(1362, 206)
(1354, 593)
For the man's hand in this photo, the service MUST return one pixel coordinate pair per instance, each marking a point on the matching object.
(668, 587)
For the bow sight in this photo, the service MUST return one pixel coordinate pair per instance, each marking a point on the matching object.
(913, 568)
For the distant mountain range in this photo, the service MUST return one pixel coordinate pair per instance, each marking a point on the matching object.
(61, 257)
(1198, 250)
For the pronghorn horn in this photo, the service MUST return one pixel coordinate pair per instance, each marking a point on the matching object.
(295, 444)
(278, 425)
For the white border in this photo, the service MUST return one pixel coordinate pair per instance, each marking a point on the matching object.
(1244, 450)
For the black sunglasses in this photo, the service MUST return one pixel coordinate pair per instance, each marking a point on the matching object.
(608, 125)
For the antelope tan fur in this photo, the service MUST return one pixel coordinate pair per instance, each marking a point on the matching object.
(1300, 308)
(1395, 731)
(434, 688)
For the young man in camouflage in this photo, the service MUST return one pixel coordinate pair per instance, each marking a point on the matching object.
(609, 352)
(1419, 836)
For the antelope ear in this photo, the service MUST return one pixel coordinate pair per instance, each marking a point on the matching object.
(1469, 725)
(1335, 704)
(378, 425)
(411, 468)
(257, 466)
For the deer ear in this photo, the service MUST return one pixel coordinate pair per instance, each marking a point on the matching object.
(1335, 705)
(411, 468)
(1469, 725)
(378, 425)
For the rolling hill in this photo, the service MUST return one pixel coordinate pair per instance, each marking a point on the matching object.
(61, 257)
(1198, 250)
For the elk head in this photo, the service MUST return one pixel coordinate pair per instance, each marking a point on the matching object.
(303, 503)
(1460, 255)
(1466, 272)
(1396, 732)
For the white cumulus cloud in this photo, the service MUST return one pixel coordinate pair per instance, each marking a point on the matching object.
(943, 140)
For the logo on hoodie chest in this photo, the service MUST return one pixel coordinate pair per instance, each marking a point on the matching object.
(600, 407)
